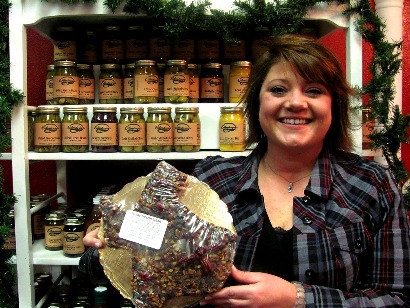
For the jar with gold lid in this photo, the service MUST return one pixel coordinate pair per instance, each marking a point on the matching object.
(131, 130)
(193, 74)
(65, 44)
(110, 84)
(146, 83)
(128, 83)
(159, 129)
(238, 80)
(66, 83)
(187, 129)
(211, 83)
(74, 130)
(54, 231)
(232, 129)
(112, 45)
(176, 82)
(47, 130)
(104, 130)
(86, 90)
(49, 84)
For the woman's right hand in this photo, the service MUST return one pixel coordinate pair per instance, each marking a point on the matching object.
(91, 239)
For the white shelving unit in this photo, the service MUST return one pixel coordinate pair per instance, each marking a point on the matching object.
(44, 16)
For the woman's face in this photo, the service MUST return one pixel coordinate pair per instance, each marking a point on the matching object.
(294, 114)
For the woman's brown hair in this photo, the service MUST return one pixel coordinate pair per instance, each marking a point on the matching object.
(313, 62)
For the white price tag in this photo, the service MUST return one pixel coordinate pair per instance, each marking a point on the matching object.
(143, 229)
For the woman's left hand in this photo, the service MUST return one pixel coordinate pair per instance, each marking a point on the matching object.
(255, 290)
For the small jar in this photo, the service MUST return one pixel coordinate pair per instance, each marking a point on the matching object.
(110, 84)
(104, 126)
(66, 83)
(238, 80)
(47, 130)
(184, 48)
(31, 118)
(49, 84)
(187, 129)
(176, 82)
(89, 48)
(367, 128)
(10, 240)
(73, 245)
(65, 45)
(211, 83)
(136, 44)
(112, 48)
(74, 130)
(131, 130)
(232, 129)
(86, 92)
(146, 82)
(260, 42)
(209, 48)
(193, 83)
(54, 231)
(161, 71)
(159, 129)
(128, 83)
(234, 50)
(159, 45)
(37, 218)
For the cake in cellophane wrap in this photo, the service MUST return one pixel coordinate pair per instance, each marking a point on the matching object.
(169, 239)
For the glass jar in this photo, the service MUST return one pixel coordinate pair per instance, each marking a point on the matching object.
(112, 47)
(238, 80)
(159, 129)
(110, 84)
(161, 71)
(49, 84)
(66, 83)
(47, 130)
(65, 45)
(187, 129)
(208, 48)
(31, 119)
(159, 45)
(367, 128)
(184, 48)
(136, 44)
(234, 50)
(232, 129)
(131, 130)
(104, 130)
(193, 83)
(128, 83)
(54, 231)
(146, 83)
(10, 240)
(176, 82)
(89, 48)
(86, 91)
(211, 83)
(74, 130)
(260, 42)
(73, 231)
(37, 218)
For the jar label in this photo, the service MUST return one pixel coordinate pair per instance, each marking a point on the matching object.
(212, 87)
(232, 133)
(234, 50)
(194, 87)
(176, 85)
(110, 88)
(159, 134)
(65, 50)
(187, 133)
(66, 86)
(146, 85)
(136, 49)
(90, 53)
(86, 88)
(47, 134)
(73, 243)
(159, 48)
(10, 242)
(49, 89)
(128, 88)
(237, 88)
(54, 236)
(131, 134)
(38, 224)
(74, 133)
(208, 49)
(112, 49)
(104, 134)
(184, 49)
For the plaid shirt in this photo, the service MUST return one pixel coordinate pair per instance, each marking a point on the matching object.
(351, 232)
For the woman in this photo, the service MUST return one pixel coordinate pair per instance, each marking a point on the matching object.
(318, 226)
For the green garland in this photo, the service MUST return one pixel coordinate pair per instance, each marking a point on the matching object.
(282, 17)
(9, 97)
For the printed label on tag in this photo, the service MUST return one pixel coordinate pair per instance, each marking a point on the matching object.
(143, 229)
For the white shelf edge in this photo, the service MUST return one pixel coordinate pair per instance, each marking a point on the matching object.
(42, 256)
(5, 156)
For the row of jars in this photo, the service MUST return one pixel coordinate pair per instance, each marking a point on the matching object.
(145, 81)
(137, 42)
(159, 132)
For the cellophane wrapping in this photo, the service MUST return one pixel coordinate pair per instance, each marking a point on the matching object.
(178, 242)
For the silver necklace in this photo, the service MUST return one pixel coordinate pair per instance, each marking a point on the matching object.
(290, 186)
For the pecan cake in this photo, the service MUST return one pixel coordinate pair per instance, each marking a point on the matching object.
(169, 239)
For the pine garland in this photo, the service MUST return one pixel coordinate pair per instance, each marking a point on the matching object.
(281, 17)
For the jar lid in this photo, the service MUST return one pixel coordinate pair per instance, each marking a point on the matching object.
(54, 216)
(131, 110)
(105, 109)
(112, 28)
(134, 28)
(64, 63)
(75, 109)
(48, 110)
(242, 63)
(110, 66)
(84, 66)
(50, 67)
(177, 62)
(159, 109)
(212, 65)
(129, 65)
(192, 65)
(144, 62)
(227, 109)
(186, 109)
